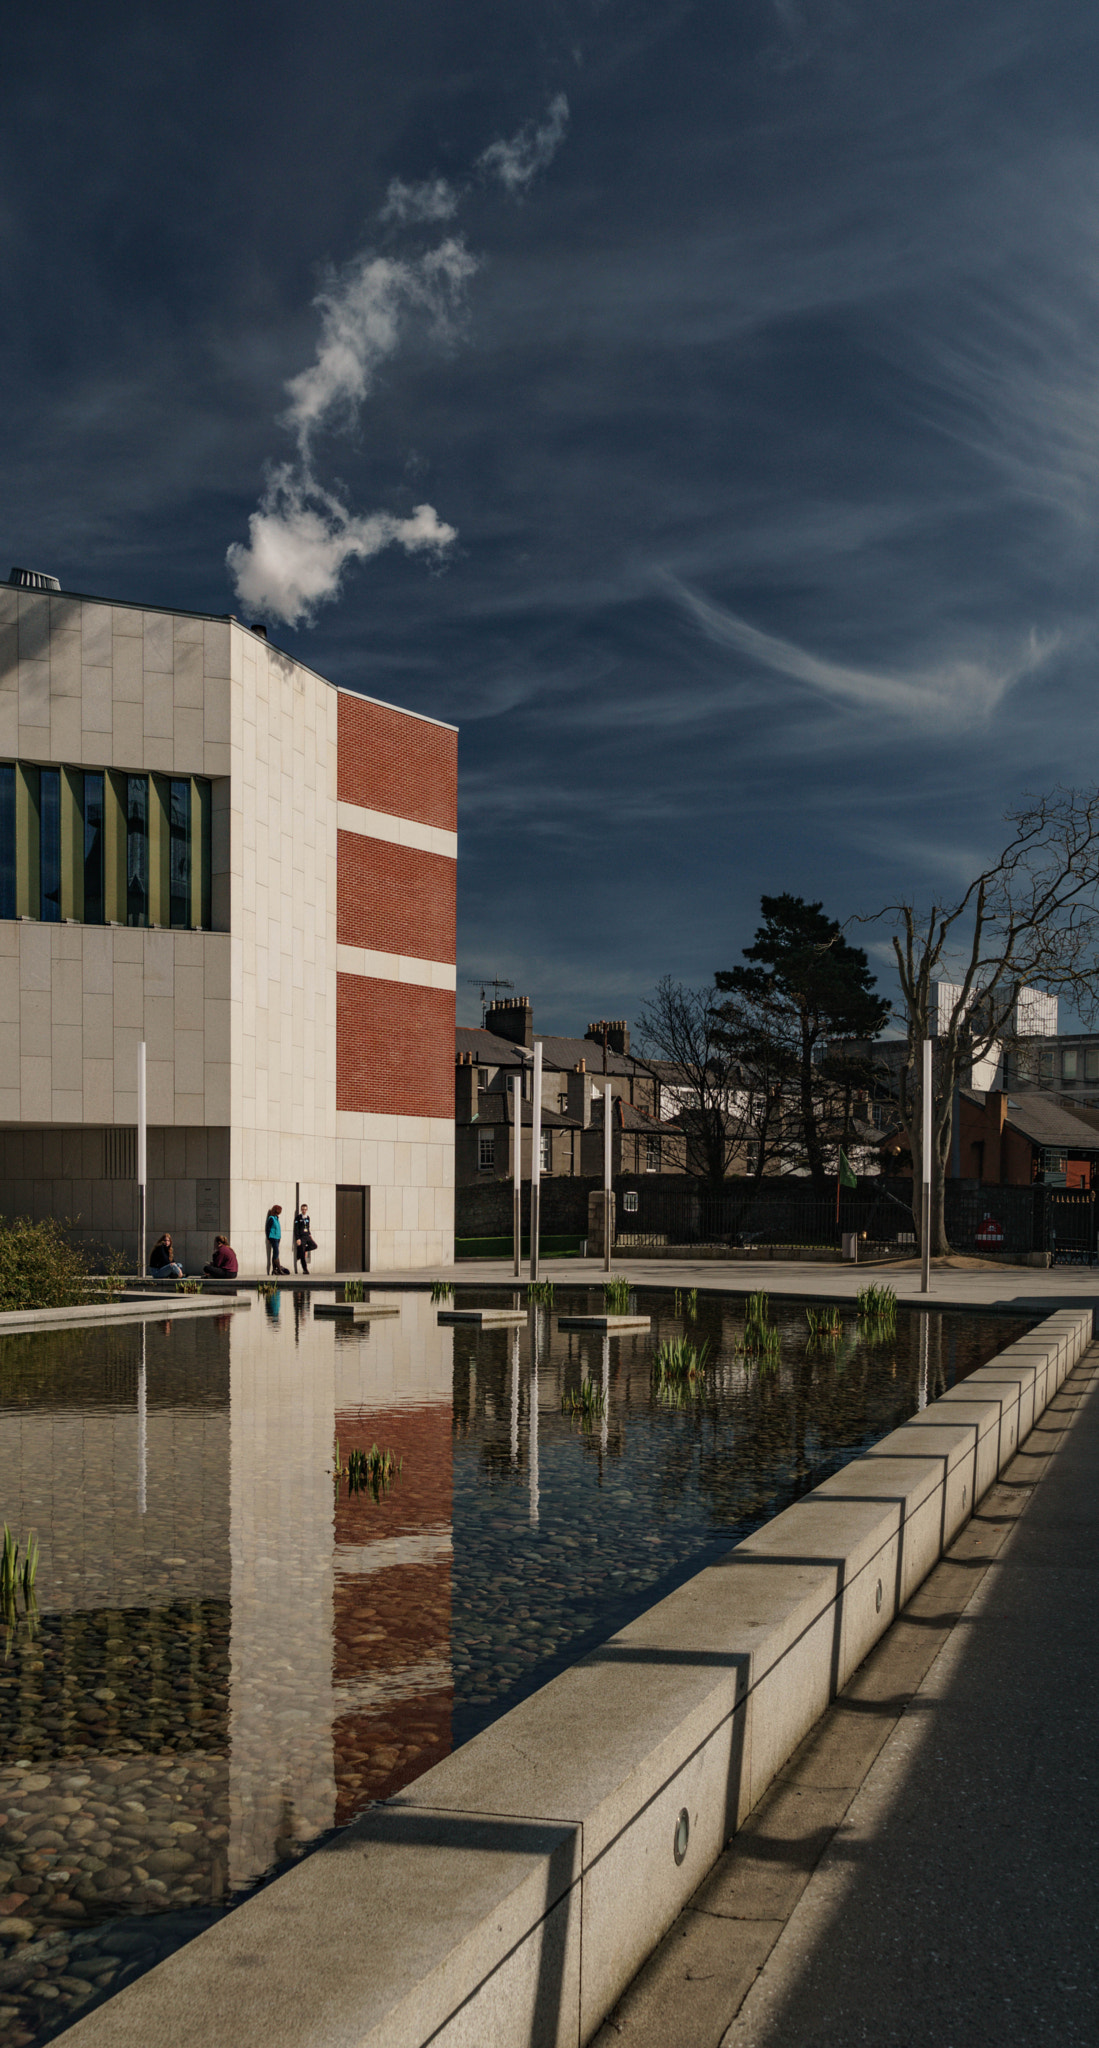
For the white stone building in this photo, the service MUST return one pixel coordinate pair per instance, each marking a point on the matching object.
(206, 846)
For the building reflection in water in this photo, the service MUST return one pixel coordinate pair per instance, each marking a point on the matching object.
(341, 1685)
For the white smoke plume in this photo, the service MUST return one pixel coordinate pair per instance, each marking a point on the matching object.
(516, 162)
(302, 537)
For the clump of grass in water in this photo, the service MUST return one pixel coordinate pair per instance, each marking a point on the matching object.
(16, 1578)
(761, 1338)
(442, 1290)
(188, 1287)
(878, 1306)
(824, 1322)
(616, 1296)
(587, 1401)
(541, 1291)
(692, 1302)
(678, 1360)
(354, 1290)
(371, 1471)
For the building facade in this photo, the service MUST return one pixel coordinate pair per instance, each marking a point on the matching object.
(206, 846)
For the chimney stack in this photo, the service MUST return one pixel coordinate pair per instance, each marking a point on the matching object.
(618, 1035)
(512, 1017)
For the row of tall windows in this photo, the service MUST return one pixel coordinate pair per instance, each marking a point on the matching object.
(101, 847)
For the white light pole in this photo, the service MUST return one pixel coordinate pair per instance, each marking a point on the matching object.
(517, 1171)
(608, 1181)
(925, 1278)
(532, 1427)
(535, 1159)
(142, 1429)
(141, 1156)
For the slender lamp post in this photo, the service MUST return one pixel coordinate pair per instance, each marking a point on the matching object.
(608, 1182)
(535, 1159)
(925, 1106)
(517, 1172)
(141, 1155)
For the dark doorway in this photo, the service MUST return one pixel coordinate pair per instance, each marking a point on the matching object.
(352, 1230)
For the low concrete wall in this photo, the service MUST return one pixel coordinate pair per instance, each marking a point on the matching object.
(511, 1893)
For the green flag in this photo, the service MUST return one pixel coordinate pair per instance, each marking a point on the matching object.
(847, 1176)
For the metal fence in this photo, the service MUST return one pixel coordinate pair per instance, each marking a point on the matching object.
(1015, 1221)
(649, 1217)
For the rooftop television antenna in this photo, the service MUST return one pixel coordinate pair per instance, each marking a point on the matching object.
(493, 981)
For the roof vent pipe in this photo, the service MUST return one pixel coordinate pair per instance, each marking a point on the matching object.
(33, 579)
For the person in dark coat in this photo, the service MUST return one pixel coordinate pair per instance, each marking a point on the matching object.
(223, 1265)
(304, 1241)
(163, 1264)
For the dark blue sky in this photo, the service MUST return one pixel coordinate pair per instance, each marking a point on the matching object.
(759, 389)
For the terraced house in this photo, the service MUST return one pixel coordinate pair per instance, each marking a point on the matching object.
(206, 846)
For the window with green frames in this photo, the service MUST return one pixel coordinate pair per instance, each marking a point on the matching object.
(100, 846)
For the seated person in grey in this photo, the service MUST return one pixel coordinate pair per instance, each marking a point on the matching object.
(223, 1265)
(163, 1264)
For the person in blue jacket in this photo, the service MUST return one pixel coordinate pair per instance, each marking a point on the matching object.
(274, 1239)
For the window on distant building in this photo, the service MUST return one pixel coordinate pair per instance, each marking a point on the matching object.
(103, 847)
(93, 849)
(482, 1077)
(1091, 1063)
(49, 845)
(1069, 1063)
(1045, 1067)
(545, 1152)
(486, 1151)
(652, 1155)
(137, 849)
(179, 853)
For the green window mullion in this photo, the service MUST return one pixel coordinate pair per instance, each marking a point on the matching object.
(72, 843)
(27, 841)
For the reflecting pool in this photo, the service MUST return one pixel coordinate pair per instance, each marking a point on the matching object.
(230, 1653)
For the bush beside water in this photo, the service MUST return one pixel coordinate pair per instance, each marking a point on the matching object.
(39, 1268)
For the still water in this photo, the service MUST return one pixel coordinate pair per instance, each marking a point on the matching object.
(232, 1654)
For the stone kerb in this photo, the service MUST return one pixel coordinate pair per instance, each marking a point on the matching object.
(512, 1892)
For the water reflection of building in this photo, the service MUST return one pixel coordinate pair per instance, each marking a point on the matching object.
(392, 1674)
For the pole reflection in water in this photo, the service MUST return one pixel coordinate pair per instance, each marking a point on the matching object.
(142, 1429)
(606, 1389)
(515, 1397)
(921, 1393)
(533, 1425)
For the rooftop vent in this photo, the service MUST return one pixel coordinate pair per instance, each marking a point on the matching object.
(33, 579)
(260, 631)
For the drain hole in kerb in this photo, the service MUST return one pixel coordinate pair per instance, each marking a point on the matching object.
(682, 1835)
(877, 1599)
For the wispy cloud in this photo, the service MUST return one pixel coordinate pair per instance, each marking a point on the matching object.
(954, 694)
(433, 199)
(517, 161)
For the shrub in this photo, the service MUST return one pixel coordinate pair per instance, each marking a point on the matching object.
(39, 1268)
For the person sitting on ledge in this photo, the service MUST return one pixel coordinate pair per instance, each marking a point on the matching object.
(223, 1265)
(163, 1264)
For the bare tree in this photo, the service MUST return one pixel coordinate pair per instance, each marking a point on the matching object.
(725, 1105)
(1032, 915)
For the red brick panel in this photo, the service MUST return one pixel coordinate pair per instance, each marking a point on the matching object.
(389, 761)
(394, 1047)
(394, 898)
